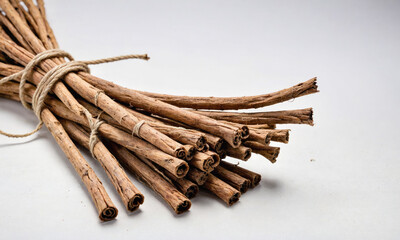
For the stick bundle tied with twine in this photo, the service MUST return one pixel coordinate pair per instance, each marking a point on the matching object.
(173, 144)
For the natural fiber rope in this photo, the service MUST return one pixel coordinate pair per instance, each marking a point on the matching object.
(96, 97)
(136, 128)
(94, 125)
(52, 77)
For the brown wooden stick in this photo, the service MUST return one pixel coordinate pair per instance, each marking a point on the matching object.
(15, 4)
(48, 28)
(197, 176)
(182, 135)
(190, 151)
(15, 32)
(179, 134)
(235, 180)
(228, 132)
(176, 166)
(42, 29)
(242, 153)
(262, 126)
(214, 142)
(269, 152)
(178, 202)
(188, 188)
(105, 207)
(254, 178)
(259, 136)
(234, 103)
(10, 90)
(222, 190)
(130, 195)
(299, 116)
(277, 135)
(215, 156)
(202, 161)
(28, 19)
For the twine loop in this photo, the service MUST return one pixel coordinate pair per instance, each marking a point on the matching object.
(136, 128)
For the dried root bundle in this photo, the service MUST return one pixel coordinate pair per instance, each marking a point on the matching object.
(173, 144)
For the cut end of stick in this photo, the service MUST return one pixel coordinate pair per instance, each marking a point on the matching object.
(315, 86)
(190, 150)
(219, 145)
(108, 214)
(135, 202)
(237, 139)
(311, 118)
(180, 153)
(245, 132)
(183, 207)
(216, 159)
(245, 186)
(247, 154)
(192, 191)
(256, 181)
(182, 170)
(235, 197)
(276, 154)
(287, 137)
(207, 164)
(200, 143)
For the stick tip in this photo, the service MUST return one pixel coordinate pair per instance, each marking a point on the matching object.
(183, 207)
(108, 214)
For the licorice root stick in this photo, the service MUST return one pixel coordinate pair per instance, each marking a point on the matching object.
(178, 202)
(130, 195)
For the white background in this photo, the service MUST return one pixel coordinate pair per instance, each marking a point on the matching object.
(351, 189)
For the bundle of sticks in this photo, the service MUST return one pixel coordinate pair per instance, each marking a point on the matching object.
(174, 144)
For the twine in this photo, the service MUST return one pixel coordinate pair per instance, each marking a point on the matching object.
(136, 128)
(51, 78)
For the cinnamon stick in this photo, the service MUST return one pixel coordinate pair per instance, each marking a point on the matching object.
(197, 176)
(215, 156)
(130, 195)
(234, 103)
(262, 137)
(242, 153)
(202, 161)
(230, 134)
(254, 178)
(178, 202)
(299, 116)
(105, 207)
(235, 180)
(269, 152)
(277, 135)
(188, 188)
(214, 142)
(222, 190)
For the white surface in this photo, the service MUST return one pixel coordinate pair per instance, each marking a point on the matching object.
(231, 48)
